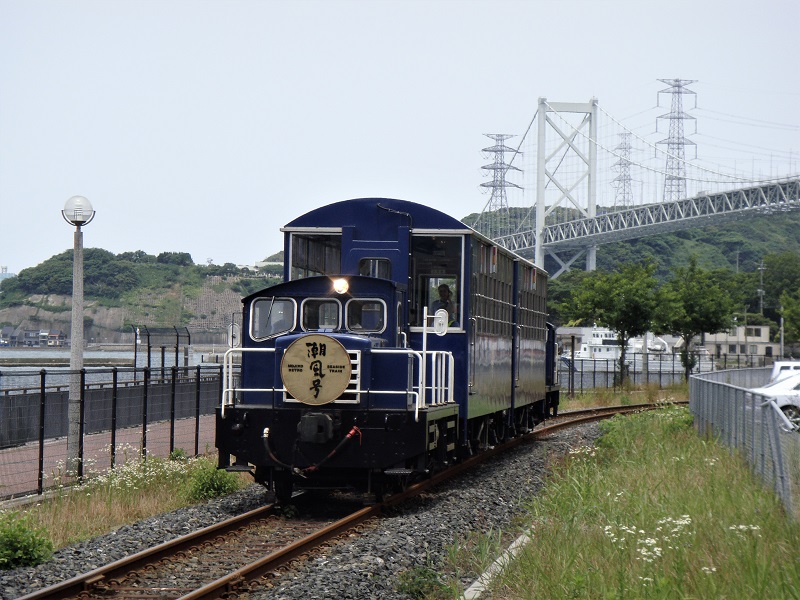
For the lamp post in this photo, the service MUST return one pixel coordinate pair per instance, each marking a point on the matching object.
(77, 211)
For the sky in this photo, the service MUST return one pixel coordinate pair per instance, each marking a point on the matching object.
(204, 126)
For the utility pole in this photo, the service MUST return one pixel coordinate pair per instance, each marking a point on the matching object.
(761, 270)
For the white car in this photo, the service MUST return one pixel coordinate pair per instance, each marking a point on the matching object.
(786, 393)
(784, 368)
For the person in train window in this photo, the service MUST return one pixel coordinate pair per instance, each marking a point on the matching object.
(446, 303)
(281, 321)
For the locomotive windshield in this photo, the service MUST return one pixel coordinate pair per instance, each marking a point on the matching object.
(366, 316)
(321, 314)
(272, 316)
(375, 267)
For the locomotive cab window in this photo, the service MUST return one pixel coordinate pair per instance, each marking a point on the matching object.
(375, 267)
(321, 314)
(366, 316)
(271, 316)
(315, 254)
(437, 263)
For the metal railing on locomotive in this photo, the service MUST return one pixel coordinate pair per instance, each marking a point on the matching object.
(440, 364)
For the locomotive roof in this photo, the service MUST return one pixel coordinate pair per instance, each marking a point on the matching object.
(368, 212)
(320, 285)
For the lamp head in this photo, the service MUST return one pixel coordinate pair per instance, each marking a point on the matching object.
(78, 211)
(341, 285)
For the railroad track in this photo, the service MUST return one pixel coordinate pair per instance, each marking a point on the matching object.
(234, 555)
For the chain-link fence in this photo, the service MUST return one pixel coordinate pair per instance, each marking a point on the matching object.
(724, 407)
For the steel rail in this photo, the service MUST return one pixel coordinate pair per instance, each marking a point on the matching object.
(89, 582)
(269, 563)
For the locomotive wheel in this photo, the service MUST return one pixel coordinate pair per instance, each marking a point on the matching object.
(284, 486)
(499, 428)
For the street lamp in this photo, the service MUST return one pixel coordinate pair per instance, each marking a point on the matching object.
(77, 211)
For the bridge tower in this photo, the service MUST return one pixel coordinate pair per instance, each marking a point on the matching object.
(575, 142)
(675, 178)
(495, 221)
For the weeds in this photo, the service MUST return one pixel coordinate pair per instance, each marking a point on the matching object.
(136, 489)
(653, 511)
(206, 482)
(22, 544)
(630, 394)
(422, 582)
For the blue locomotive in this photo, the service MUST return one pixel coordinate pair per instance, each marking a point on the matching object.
(400, 341)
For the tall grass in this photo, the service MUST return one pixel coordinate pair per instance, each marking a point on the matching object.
(654, 511)
(136, 490)
(629, 394)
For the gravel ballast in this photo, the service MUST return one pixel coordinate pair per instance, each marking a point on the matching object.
(415, 535)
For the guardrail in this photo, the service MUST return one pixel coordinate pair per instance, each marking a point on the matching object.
(724, 407)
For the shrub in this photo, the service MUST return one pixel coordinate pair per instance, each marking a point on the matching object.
(206, 481)
(179, 454)
(421, 582)
(20, 544)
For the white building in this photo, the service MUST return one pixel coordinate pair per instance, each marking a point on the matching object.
(751, 340)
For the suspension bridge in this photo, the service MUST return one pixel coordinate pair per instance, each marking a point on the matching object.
(567, 221)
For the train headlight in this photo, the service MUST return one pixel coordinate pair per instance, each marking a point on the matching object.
(340, 286)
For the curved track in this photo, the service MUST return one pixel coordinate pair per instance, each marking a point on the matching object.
(233, 555)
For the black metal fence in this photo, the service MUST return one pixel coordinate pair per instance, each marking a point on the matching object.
(581, 375)
(124, 412)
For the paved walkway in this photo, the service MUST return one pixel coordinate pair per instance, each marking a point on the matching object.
(19, 466)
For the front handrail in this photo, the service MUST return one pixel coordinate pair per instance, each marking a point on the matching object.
(228, 388)
(439, 392)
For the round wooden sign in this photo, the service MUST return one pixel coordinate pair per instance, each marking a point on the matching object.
(316, 369)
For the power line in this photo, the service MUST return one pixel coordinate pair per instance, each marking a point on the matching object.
(728, 178)
(756, 122)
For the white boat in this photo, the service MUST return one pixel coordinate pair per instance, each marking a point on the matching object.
(600, 351)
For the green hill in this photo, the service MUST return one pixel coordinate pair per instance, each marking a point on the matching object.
(135, 288)
(130, 289)
(736, 245)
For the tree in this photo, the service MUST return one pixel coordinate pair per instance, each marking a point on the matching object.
(183, 259)
(693, 304)
(624, 301)
(781, 274)
(559, 294)
(277, 257)
(790, 311)
(138, 256)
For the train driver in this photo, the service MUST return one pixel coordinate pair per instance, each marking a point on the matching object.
(444, 301)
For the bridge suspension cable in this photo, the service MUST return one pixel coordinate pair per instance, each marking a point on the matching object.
(568, 206)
